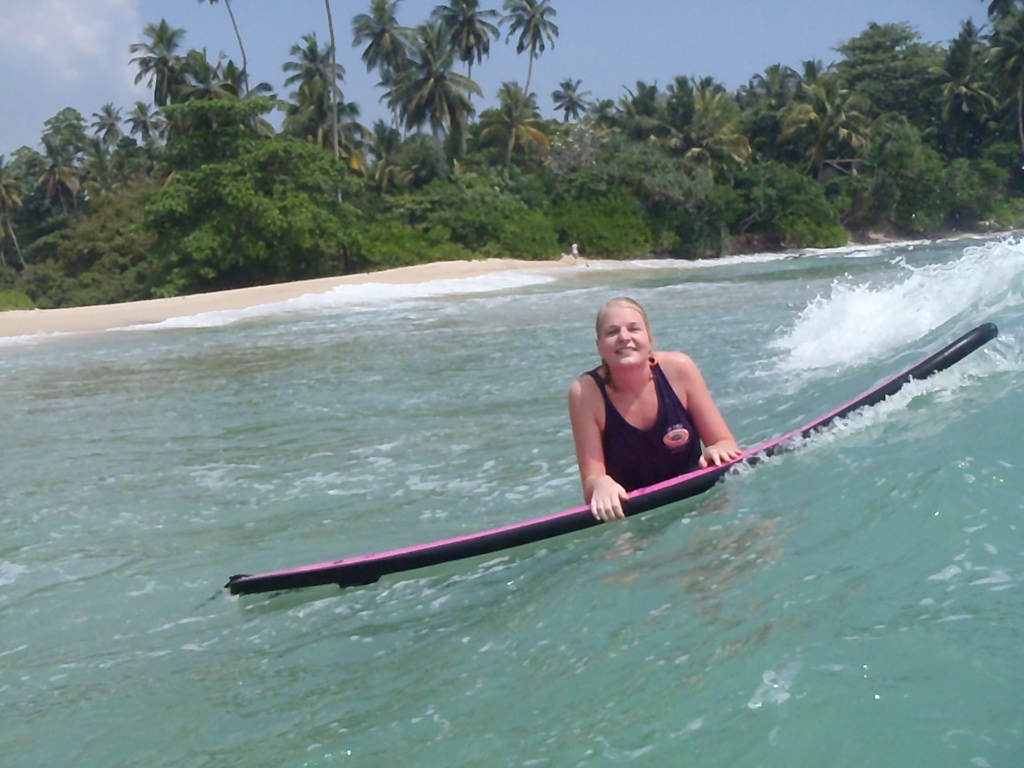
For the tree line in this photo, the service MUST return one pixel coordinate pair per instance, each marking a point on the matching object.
(197, 190)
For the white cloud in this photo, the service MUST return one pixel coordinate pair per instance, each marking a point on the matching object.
(62, 53)
(66, 38)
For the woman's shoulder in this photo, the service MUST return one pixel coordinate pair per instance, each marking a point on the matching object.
(675, 362)
(584, 383)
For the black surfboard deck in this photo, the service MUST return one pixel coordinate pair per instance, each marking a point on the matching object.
(367, 569)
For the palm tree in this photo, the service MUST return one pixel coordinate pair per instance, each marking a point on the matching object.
(831, 114)
(315, 107)
(232, 81)
(107, 125)
(241, 47)
(334, 91)
(569, 100)
(384, 146)
(99, 176)
(9, 201)
(714, 135)
(386, 41)
(813, 70)
(315, 69)
(308, 117)
(429, 91)
(60, 178)
(203, 81)
(159, 62)
(532, 20)
(763, 101)
(468, 29)
(516, 120)
(679, 104)
(640, 114)
(1007, 58)
(966, 102)
(776, 87)
(1000, 9)
(141, 122)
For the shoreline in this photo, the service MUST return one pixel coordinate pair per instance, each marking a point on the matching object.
(105, 317)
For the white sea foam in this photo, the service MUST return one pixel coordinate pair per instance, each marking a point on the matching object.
(775, 685)
(361, 295)
(860, 321)
(9, 572)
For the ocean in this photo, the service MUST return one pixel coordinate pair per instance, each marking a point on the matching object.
(856, 602)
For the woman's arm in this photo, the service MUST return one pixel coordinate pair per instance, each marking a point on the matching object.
(600, 490)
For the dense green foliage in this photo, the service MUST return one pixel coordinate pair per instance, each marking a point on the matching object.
(198, 190)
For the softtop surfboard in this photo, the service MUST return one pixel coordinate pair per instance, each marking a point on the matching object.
(366, 569)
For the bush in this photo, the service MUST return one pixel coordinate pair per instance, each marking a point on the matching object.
(787, 207)
(481, 216)
(611, 226)
(389, 243)
(906, 179)
(10, 299)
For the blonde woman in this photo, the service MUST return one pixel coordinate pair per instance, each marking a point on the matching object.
(640, 418)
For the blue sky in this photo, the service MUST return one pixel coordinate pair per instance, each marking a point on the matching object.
(74, 53)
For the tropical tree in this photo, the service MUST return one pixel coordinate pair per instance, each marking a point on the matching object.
(429, 92)
(831, 116)
(679, 104)
(387, 44)
(386, 41)
(531, 19)
(66, 131)
(158, 60)
(241, 47)
(232, 79)
(1000, 9)
(107, 125)
(314, 69)
(385, 144)
(715, 136)
(1007, 58)
(516, 120)
(891, 67)
(60, 179)
(469, 30)
(144, 123)
(764, 100)
(569, 100)
(963, 85)
(641, 115)
(98, 173)
(9, 202)
(334, 91)
(202, 81)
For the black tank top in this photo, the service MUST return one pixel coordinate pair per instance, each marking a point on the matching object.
(636, 458)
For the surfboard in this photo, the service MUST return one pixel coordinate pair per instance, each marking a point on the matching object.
(367, 569)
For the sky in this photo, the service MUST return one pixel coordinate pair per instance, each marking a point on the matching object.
(74, 53)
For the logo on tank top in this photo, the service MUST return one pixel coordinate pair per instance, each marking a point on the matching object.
(676, 437)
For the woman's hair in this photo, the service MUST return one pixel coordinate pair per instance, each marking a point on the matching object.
(623, 301)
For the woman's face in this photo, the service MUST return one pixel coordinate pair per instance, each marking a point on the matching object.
(622, 336)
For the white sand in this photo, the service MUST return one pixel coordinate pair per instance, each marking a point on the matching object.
(107, 316)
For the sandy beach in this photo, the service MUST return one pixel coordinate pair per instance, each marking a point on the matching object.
(104, 317)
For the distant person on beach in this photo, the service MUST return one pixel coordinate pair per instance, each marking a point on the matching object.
(640, 418)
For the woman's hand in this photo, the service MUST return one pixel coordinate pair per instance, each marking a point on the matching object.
(720, 453)
(606, 500)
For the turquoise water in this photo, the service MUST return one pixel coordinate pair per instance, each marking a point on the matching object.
(857, 602)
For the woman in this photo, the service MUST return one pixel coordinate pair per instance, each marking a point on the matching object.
(638, 419)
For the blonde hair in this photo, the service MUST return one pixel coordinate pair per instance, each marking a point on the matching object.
(620, 301)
